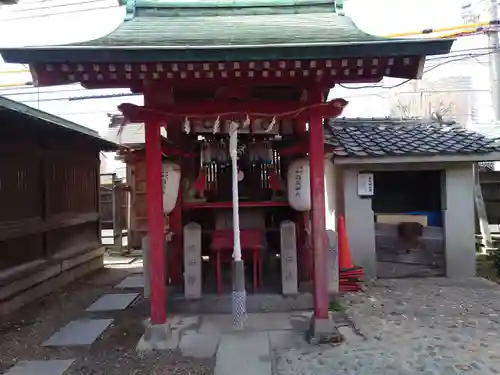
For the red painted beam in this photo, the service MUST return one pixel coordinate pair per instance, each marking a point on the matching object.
(228, 110)
(318, 211)
(169, 150)
(299, 148)
(154, 199)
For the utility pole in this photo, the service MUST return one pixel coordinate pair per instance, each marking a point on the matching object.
(494, 59)
(474, 11)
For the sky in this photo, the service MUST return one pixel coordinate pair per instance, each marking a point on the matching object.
(20, 26)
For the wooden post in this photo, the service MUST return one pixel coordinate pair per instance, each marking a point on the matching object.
(318, 227)
(176, 247)
(154, 200)
(146, 264)
(307, 260)
(177, 240)
(481, 213)
(117, 210)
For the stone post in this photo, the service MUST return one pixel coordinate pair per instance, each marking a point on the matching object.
(192, 261)
(289, 274)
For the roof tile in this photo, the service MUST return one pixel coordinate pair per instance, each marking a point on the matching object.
(393, 137)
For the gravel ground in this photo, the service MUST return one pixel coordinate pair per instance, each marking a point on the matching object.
(425, 326)
(113, 353)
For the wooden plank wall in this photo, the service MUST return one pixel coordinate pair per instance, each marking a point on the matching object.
(108, 188)
(49, 186)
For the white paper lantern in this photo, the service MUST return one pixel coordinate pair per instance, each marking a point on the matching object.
(171, 178)
(299, 188)
(299, 196)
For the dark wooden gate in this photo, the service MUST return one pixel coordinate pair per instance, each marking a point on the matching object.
(414, 256)
(114, 210)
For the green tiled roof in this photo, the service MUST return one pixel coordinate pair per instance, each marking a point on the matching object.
(205, 30)
(236, 31)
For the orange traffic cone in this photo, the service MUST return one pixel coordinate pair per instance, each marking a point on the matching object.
(345, 261)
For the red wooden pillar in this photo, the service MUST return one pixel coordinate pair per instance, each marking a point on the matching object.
(318, 227)
(154, 201)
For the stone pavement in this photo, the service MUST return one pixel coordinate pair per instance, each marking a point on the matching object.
(80, 342)
(411, 326)
(398, 327)
(246, 352)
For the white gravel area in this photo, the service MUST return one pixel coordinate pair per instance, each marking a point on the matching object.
(412, 326)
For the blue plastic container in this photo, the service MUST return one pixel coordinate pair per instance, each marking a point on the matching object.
(434, 218)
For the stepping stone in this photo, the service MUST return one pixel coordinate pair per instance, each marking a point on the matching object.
(51, 367)
(255, 322)
(110, 302)
(79, 332)
(199, 345)
(135, 281)
(216, 323)
(118, 260)
(243, 353)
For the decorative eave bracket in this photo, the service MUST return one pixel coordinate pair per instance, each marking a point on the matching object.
(337, 6)
(129, 8)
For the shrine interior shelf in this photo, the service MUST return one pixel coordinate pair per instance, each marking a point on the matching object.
(209, 205)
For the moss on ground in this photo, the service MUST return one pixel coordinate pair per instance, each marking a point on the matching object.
(336, 306)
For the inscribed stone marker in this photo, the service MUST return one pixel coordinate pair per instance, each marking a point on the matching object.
(333, 262)
(192, 261)
(289, 276)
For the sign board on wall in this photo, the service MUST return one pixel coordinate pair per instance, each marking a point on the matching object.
(365, 184)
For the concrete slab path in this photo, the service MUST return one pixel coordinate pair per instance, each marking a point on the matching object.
(199, 345)
(50, 367)
(244, 353)
(130, 282)
(79, 332)
(111, 302)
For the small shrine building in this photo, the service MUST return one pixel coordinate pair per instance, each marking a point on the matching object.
(267, 65)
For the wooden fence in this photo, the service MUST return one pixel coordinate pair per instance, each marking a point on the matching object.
(114, 210)
(49, 193)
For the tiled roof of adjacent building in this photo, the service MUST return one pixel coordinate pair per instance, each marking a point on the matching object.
(51, 122)
(131, 135)
(394, 137)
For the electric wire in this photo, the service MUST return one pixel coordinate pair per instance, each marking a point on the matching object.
(409, 80)
(59, 13)
(443, 29)
(23, 7)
